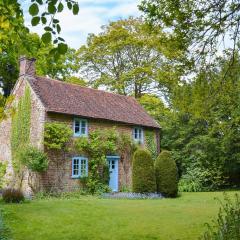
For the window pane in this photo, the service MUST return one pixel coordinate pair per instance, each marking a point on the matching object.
(135, 133)
(83, 127)
(75, 167)
(140, 133)
(83, 167)
(77, 127)
(83, 130)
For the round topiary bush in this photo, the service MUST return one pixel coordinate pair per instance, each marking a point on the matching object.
(143, 177)
(166, 174)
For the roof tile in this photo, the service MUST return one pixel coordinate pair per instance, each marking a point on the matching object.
(72, 99)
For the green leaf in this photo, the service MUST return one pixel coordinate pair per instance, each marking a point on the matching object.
(61, 39)
(75, 9)
(51, 8)
(62, 48)
(55, 20)
(40, 2)
(44, 20)
(60, 7)
(69, 5)
(58, 28)
(35, 21)
(46, 37)
(48, 29)
(33, 9)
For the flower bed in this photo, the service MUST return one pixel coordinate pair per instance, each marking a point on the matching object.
(129, 195)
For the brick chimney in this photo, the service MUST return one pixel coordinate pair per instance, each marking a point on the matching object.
(26, 66)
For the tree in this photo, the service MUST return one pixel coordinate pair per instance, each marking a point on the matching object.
(61, 68)
(203, 26)
(43, 12)
(129, 57)
(204, 126)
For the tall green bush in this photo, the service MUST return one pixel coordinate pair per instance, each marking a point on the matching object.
(143, 177)
(166, 174)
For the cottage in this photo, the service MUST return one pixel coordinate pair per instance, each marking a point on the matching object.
(84, 110)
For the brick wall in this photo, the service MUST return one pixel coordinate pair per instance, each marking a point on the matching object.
(51, 178)
(36, 133)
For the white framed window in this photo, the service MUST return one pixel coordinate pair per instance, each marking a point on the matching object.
(80, 127)
(138, 134)
(79, 167)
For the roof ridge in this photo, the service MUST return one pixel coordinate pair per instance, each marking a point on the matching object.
(74, 84)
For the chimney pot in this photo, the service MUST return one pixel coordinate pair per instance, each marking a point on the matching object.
(26, 66)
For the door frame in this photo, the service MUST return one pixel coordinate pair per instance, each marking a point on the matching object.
(116, 158)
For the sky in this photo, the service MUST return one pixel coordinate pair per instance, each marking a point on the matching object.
(92, 15)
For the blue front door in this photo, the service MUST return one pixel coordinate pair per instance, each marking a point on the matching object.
(113, 170)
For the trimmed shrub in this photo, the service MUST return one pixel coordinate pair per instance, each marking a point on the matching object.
(12, 195)
(34, 159)
(166, 174)
(143, 177)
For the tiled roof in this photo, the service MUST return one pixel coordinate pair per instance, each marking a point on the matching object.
(72, 99)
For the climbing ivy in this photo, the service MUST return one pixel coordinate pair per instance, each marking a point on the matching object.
(57, 136)
(151, 143)
(20, 133)
(96, 147)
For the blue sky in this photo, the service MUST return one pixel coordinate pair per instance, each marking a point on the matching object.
(92, 15)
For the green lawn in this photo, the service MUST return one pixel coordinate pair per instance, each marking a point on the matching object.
(92, 218)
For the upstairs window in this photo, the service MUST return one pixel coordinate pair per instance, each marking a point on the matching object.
(80, 127)
(138, 134)
(79, 167)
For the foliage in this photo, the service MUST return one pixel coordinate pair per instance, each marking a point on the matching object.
(34, 159)
(143, 177)
(4, 230)
(151, 145)
(20, 132)
(203, 26)
(4, 111)
(43, 12)
(57, 136)
(200, 124)
(198, 178)
(96, 147)
(73, 194)
(12, 195)
(31, 45)
(131, 58)
(227, 225)
(166, 174)
(3, 168)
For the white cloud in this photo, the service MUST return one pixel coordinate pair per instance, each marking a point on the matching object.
(92, 15)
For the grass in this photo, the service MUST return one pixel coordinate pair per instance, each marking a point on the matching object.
(108, 219)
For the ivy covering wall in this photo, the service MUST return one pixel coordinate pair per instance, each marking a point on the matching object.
(151, 145)
(20, 133)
